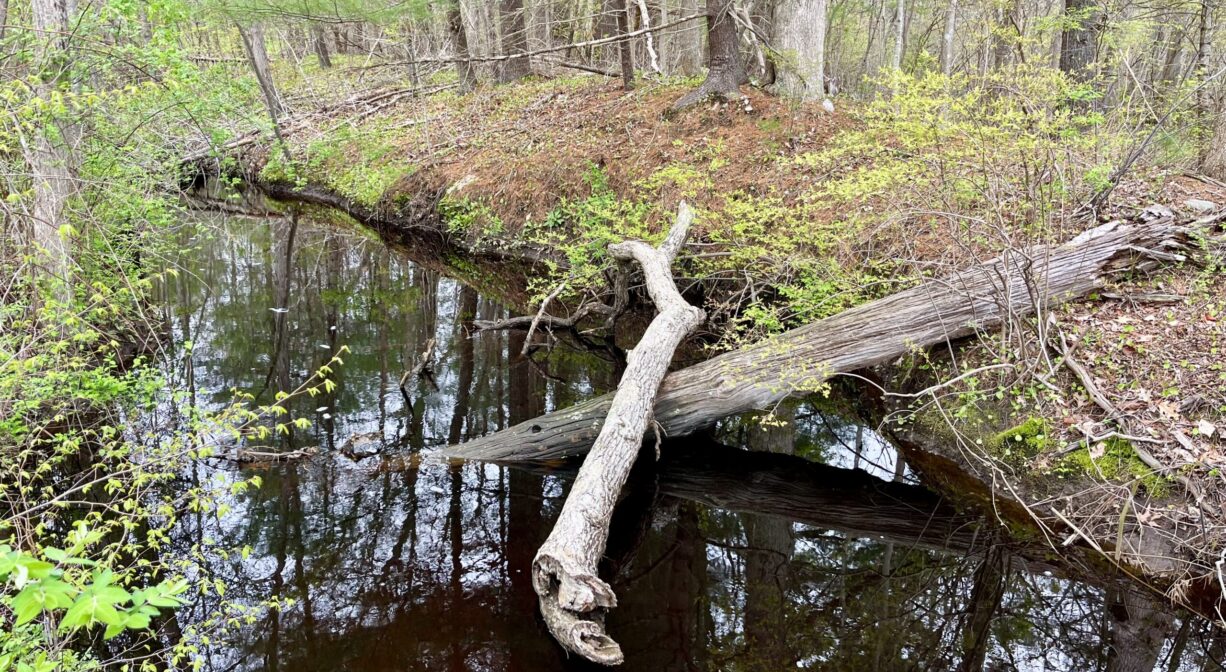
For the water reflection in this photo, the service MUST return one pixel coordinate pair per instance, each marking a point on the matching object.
(740, 555)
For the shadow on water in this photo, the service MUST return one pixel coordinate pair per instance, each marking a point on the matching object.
(797, 542)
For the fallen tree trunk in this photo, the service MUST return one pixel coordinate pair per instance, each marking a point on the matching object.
(800, 361)
(564, 573)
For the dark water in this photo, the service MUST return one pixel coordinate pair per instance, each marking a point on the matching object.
(738, 552)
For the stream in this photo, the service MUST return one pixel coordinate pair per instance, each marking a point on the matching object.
(802, 543)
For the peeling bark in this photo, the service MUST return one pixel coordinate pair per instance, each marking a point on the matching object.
(573, 598)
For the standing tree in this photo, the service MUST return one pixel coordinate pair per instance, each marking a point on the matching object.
(257, 58)
(1214, 163)
(459, 45)
(800, 36)
(900, 34)
(1079, 41)
(947, 40)
(514, 31)
(725, 71)
(625, 47)
(319, 40)
(50, 157)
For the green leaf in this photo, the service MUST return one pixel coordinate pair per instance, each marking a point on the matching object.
(28, 604)
(113, 630)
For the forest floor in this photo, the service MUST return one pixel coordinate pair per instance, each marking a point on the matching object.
(803, 214)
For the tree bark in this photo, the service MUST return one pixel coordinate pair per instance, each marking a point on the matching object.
(49, 157)
(319, 40)
(645, 20)
(725, 72)
(1079, 43)
(947, 41)
(991, 580)
(1139, 629)
(800, 36)
(801, 360)
(900, 34)
(4, 13)
(257, 57)
(514, 30)
(459, 44)
(1214, 163)
(564, 573)
(625, 47)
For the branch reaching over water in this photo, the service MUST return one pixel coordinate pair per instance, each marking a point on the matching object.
(573, 598)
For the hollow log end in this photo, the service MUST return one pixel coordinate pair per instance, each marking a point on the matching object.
(584, 635)
(573, 602)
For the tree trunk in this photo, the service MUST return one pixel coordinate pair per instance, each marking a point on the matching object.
(1214, 163)
(645, 20)
(991, 580)
(1079, 42)
(257, 57)
(626, 46)
(50, 158)
(947, 41)
(572, 596)
(4, 13)
(1139, 629)
(900, 34)
(1006, 36)
(459, 45)
(514, 30)
(725, 72)
(800, 37)
(800, 361)
(319, 40)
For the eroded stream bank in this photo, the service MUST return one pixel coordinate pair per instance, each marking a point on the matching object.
(753, 549)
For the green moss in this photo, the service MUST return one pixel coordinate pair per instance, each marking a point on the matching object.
(1119, 462)
(1022, 442)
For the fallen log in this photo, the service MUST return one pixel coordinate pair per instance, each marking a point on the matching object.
(573, 598)
(801, 360)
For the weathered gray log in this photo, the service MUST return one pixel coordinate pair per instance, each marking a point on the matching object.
(801, 360)
(573, 598)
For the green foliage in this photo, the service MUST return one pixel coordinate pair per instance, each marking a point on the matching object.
(1017, 146)
(583, 228)
(473, 218)
(360, 163)
(1023, 442)
(91, 482)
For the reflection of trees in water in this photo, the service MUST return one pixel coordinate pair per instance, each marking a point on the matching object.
(428, 568)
